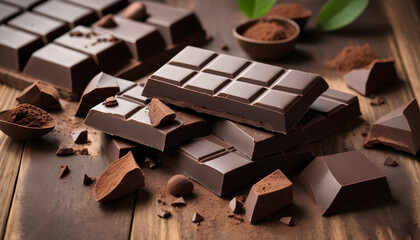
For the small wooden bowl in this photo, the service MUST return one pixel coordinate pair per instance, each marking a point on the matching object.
(267, 49)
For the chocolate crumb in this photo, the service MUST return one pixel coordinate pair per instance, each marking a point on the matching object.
(389, 161)
(224, 47)
(110, 102)
(83, 151)
(64, 150)
(179, 202)
(64, 171)
(164, 214)
(376, 101)
(196, 218)
(364, 134)
(287, 221)
(80, 136)
(107, 21)
(88, 180)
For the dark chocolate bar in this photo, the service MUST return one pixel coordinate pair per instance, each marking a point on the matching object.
(130, 120)
(7, 12)
(24, 4)
(330, 112)
(249, 92)
(217, 165)
(101, 7)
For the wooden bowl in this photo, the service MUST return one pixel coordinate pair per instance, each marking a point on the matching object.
(267, 49)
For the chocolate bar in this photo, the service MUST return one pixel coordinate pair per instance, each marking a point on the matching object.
(130, 120)
(219, 167)
(24, 4)
(115, 148)
(249, 92)
(330, 112)
(129, 50)
(340, 181)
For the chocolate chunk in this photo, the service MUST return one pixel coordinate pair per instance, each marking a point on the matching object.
(136, 11)
(196, 218)
(115, 148)
(41, 95)
(399, 129)
(287, 221)
(83, 151)
(110, 102)
(64, 150)
(261, 95)
(159, 113)
(364, 134)
(150, 162)
(389, 161)
(164, 214)
(235, 205)
(80, 136)
(344, 180)
(376, 101)
(267, 196)
(107, 21)
(223, 47)
(120, 178)
(180, 185)
(179, 202)
(64, 171)
(88, 180)
(366, 80)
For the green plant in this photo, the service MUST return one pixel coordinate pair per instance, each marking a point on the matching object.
(255, 8)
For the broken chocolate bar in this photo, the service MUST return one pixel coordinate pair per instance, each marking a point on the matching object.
(115, 148)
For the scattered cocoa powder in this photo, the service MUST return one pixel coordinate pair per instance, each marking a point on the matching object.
(28, 115)
(268, 30)
(289, 10)
(352, 57)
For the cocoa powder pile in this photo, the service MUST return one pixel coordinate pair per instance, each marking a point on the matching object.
(268, 30)
(289, 10)
(352, 57)
(28, 115)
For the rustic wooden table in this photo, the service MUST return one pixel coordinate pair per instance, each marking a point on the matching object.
(35, 204)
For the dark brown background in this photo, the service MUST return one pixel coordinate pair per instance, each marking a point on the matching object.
(34, 203)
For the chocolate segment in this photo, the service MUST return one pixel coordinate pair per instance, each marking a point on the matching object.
(115, 148)
(217, 165)
(130, 120)
(40, 95)
(399, 129)
(101, 7)
(340, 181)
(267, 196)
(7, 12)
(221, 89)
(366, 80)
(24, 4)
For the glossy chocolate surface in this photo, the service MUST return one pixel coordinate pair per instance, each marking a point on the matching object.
(7, 12)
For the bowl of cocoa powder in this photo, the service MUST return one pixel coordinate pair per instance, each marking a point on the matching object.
(26, 121)
(267, 37)
(294, 11)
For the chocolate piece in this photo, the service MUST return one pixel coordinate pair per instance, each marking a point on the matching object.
(179, 202)
(179, 185)
(287, 221)
(376, 101)
(120, 178)
(260, 95)
(64, 150)
(399, 129)
(389, 161)
(71, 14)
(37, 24)
(88, 180)
(115, 148)
(80, 136)
(110, 102)
(136, 11)
(217, 165)
(83, 151)
(235, 205)
(159, 113)
(196, 218)
(7, 12)
(255, 143)
(101, 7)
(24, 4)
(130, 120)
(223, 47)
(150, 162)
(16, 47)
(62, 67)
(142, 39)
(108, 52)
(267, 196)
(366, 80)
(106, 21)
(344, 180)
(330, 112)
(40, 95)
(164, 214)
(64, 171)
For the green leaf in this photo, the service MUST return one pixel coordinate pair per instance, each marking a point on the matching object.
(255, 8)
(339, 13)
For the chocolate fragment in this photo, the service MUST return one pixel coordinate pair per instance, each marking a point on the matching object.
(107, 21)
(150, 162)
(115, 148)
(376, 101)
(136, 11)
(235, 205)
(80, 136)
(288, 221)
(223, 47)
(64, 171)
(399, 129)
(275, 100)
(196, 218)
(267, 196)
(159, 113)
(41, 95)
(83, 151)
(120, 178)
(179, 202)
(88, 180)
(110, 102)
(179, 185)
(164, 214)
(345, 180)
(389, 161)
(64, 150)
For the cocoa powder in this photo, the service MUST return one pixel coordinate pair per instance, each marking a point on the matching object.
(268, 30)
(289, 10)
(28, 115)
(352, 57)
